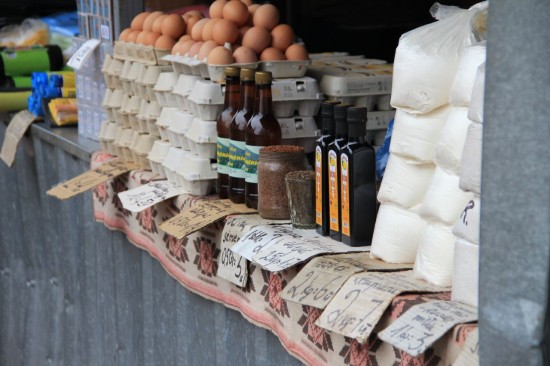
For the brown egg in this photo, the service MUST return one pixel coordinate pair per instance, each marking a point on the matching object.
(124, 34)
(266, 16)
(236, 11)
(272, 54)
(196, 32)
(148, 23)
(132, 36)
(137, 22)
(208, 30)
(185, 46)
(282, 36)
(196, 13)
(244, 55)
(185, 37)
(176, 48)
(141, 37)
(257, 39)
(165, 42)
(247, 2)
(151, 38)
(296, 52)
(205, 49)
(194, 50)
(173, 26)
(251, 9)
(157, 24)
(225, 31)
(216, 9)
(220, 56)
(242, 31)
(190, 23)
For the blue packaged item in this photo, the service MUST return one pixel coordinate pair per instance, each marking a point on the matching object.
(383, 154)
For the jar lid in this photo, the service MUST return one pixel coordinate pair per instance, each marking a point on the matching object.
(247, 74)
(263, 77)
(232, 71)
(281, 150)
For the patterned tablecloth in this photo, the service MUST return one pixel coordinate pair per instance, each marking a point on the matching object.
(193, 261)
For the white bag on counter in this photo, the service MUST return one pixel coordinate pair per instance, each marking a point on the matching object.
(427, 57)
(448, 149)
(396, 234)
(470, 171)
(434, 260)
(444, 201)
(463, 83)
(405, 182)
(466, 273)
(475, 113)
(467, 225)
(414, 135)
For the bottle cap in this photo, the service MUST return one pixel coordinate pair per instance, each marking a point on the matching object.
(341, 118)
(327, 108)
(247, 74)
(263, 77)
(357, 119)
(232, 71)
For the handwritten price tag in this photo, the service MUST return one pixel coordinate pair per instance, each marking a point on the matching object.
(423, 324)
(138, 199)
(470, 351)
(362, 301)
(14, 133)
(80, 56)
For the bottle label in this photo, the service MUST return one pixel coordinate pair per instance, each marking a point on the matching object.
(334, 199)
(318, 186)
(251, 163)
(344, 189)
(236, 158)
(222, 154)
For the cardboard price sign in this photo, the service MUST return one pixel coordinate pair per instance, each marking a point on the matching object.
(319, 281)
(201, 215)
(423, 324)
(90, 179)
(362, 301)
(138, 199)
(14, 133)
(470, 351)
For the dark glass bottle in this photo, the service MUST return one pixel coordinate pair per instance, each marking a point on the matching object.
(263, 129)
(322, 217)
(341, 139)
(358, 182)
(231, 104)
(237, 130)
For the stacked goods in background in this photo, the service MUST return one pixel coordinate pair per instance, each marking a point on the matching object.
(420, 195)
(95, 19)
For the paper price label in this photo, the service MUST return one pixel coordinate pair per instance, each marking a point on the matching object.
(138, 199)
(470, 351)
(14, 133)
(362, 301)
(80, 56)
(423, 324)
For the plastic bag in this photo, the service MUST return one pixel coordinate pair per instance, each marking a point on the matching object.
(30, 32)
(426, 58)
(383, 154)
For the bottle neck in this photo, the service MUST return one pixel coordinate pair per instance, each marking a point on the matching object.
(247, 95)
(264, 103)
(328, 124)
(357, 132)
(232, 92)
(341, 129)
(358, 139)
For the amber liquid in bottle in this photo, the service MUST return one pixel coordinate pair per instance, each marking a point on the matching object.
(237, 136)
(341, 140)
(263, 129)
(358, 182)
(223, 124)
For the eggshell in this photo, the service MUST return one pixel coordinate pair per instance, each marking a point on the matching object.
(208, 30)
(141, 37)
(157, 24)
(196, 32)
(173, 26)
(165, 42)
(190, 23)
(296, 52)
(194, 50)
(272, 54)
(137, 22)
(148, 23)
(244, 55)
(176, 48)
(185, 46)
(242, 31)
(266, 16)
(236, 11)
(205, 49)
(151, 38)
(220, 56)
(247, 2)
(216, 9)
(225, 31)
(132, 36)
(282, 36)
(251, 9)
(257, 38)
(185, 37)
(124, 34)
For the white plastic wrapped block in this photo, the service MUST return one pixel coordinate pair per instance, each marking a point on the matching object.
(466, 273)
(463, 83)
(448, 149)
(415, 135)
(467, 225)
(470, 172)
(444, 201)
(475, 113)
(396, 234)
(434, 260)
(405, 182)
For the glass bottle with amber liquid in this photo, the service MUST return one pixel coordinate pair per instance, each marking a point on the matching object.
(322, 217)
(358, 182)
(263, 129)
(334, 148)
(223, 124)
(237, 146)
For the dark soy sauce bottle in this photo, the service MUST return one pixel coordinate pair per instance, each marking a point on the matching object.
(322, 217)
(358, 182)
(223, 124)
(237, 136)
(341, 139)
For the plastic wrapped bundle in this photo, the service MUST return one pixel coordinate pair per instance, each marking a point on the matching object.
(448, 149)
(463, 83)
(467, 225)
(434, 260)
(475, 112)
(466, 273)
(470, 172)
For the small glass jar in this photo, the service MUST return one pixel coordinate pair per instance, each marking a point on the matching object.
(274, 163)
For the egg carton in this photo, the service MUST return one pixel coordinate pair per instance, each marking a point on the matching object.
(105, 104)
(182, 89)
(206, 100)
(141, 146)
(105, 71)
(202, 137)
(301, 131)
(299, 96)
(135, 52)
(107, 135)
(178, 128)
(164, 120)
(129, 111)
(173, 162)
(156, 156)
(146, 81)
(112, 74)
(379, 120)
(196, 175)
(124, 77)
(216, 73)
(136, 70)
(122, 143)
(285, 68)
(339, 65)
(163, 89)
(371, 102)
(184, 65)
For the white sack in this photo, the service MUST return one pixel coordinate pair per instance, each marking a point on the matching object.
(414, 135)
(448, 149)
(475, 113)
(466, 273)
(434, 260)
(470, 171)
(396, 234)
(467, 225)
(405, 182)
(463, 83)
(444, 201)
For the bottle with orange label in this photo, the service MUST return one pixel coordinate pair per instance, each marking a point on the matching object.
(322, 218)
(334, 148)
(358, 182)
